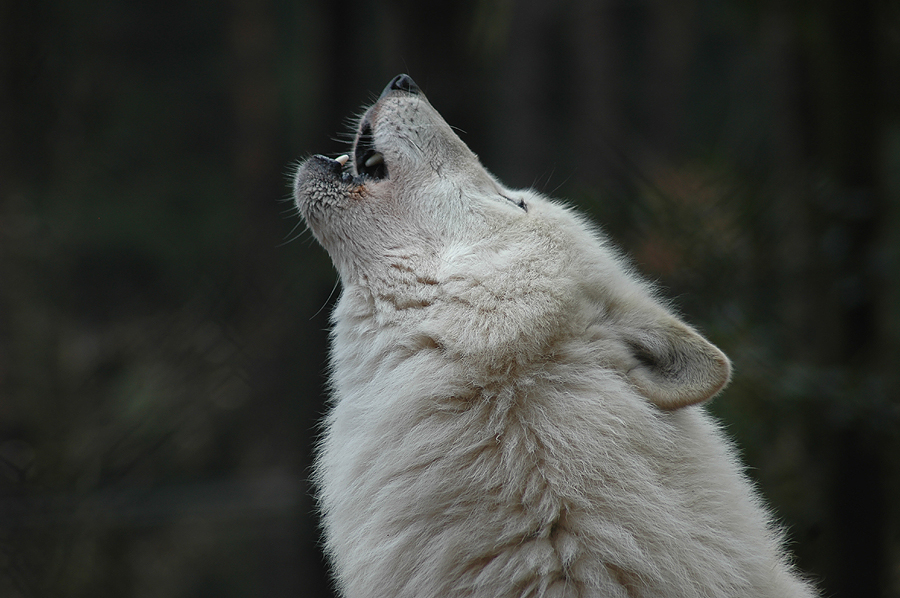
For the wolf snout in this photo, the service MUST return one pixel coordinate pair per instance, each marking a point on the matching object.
(324, 164)
(317, 174)
(402, 82)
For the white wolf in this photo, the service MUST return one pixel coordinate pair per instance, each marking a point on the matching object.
(514, 412)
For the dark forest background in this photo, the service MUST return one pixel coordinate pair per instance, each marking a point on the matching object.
(163, 314)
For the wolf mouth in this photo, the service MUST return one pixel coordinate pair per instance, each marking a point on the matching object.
(368, 160)
(368, 163)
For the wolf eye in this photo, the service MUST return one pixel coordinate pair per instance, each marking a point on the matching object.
(516, 201)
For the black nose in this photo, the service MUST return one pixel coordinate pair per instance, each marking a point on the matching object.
(403, 83)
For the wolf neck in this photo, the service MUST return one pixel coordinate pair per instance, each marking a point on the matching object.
(377, 335)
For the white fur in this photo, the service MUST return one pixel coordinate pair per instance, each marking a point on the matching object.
(514, 412)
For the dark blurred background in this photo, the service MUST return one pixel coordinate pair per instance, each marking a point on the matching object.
(164, 314)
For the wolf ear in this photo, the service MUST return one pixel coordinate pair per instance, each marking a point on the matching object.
(673, 366)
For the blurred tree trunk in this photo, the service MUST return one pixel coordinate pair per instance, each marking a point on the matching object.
(671, 41)
(597, 126)
(829, 278)
(260, 184)
(23, 98)
(525, 128)
(260, 298)
(852, 145)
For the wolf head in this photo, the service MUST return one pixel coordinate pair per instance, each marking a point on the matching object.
(435, 252)
(411, 190)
